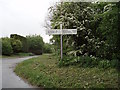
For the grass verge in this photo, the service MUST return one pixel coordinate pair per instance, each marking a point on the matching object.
(43, 71)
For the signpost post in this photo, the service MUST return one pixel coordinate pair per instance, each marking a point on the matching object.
(61, 32)
(61, 41)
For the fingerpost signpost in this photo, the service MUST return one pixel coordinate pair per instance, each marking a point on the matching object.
(61, 32)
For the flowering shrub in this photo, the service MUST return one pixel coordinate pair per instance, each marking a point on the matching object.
(97, 31)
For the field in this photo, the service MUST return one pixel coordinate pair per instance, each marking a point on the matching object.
(43, 71)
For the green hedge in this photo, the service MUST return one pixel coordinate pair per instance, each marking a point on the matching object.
(24, 41)
(36, 44)
(16, 45)
(6, 46)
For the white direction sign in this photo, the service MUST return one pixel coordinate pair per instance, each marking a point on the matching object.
(59, 31)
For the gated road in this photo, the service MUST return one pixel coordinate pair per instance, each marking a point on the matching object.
(9, 78)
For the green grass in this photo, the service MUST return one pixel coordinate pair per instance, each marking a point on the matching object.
(16, 55)
(43, 71)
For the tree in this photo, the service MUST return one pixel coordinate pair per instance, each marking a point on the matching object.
(36, 44)
(97, 28)
(23, 40)
(6, 46)
(47, 48)
(107, 23)
(16, 45)
(74, 15)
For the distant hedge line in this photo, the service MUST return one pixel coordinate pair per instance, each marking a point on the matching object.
(16, 44)
(23, 40)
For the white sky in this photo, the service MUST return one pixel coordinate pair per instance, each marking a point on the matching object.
(24, 17)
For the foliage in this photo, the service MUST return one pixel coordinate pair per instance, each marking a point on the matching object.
(43, 72)
(108, 31)
(36, 44)
(97, 29)
(16, 45)
(86, 61)
(74, 15)
(6, 46)
(104, 64)
(47, 48)
(23, 40)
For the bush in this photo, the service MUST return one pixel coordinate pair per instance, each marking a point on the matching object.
(36, 44)
(6, 46)
(47, 48)
(104, 64)
(97, 36)
(23, 40)
(16, 45)
(64, 62)
(114, 63)
(86, 61)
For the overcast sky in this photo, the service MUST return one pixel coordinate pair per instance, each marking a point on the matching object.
(24, 17)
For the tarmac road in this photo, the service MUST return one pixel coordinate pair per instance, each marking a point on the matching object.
(9, 78)
(0, 73)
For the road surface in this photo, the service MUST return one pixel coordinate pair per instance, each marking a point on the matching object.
(9, 78)
(0, 73)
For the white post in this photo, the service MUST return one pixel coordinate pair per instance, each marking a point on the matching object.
(61, 42)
